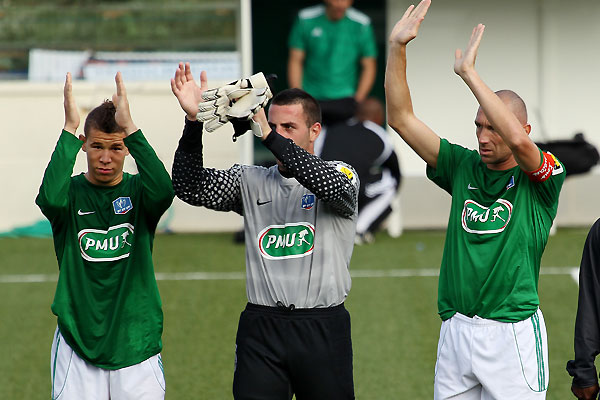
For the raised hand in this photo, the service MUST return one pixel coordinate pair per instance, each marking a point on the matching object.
(119, 99)
(406, 29)
(71, 112)
(188, 93)
(465, 62)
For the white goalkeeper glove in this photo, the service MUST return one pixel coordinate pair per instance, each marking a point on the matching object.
(241, 99)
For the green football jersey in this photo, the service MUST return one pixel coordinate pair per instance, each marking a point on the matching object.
(333, 50)
(106, 300)
(497, 230)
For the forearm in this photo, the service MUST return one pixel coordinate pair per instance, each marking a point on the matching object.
(158, 188)
(400, 109)
(295, 69)
(366, 79)
(504, 122)
(198, 186)
(397, 94)
(53, 193)
(322, 178)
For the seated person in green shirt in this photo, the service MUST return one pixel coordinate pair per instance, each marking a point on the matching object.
(108, 340)
(333, 57)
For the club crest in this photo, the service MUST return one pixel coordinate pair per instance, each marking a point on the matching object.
(307, 202)
(122, 205)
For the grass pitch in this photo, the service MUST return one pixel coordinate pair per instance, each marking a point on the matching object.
(394, 319)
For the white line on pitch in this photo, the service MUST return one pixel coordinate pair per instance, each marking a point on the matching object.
(210, 276)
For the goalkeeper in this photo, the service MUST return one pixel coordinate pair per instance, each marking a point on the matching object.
(299, 220)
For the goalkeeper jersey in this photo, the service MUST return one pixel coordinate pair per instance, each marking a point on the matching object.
(497, 230)
(299, 229)
(106, 300)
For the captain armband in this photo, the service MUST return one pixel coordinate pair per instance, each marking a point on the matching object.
(549, 164)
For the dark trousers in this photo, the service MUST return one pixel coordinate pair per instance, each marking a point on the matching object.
(282, 352)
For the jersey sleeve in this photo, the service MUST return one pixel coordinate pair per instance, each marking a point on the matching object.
(367, 42)
(333, 182)
(296, 39)
(587, 334)
(53, 196)
(548, 179)
(218, 190)
(157, 193)
(450, 158)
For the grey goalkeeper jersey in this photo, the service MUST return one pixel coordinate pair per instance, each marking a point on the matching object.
(299, 230)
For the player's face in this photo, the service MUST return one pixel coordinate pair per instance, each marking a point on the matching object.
(492, 149)
(336, 9)
(105, 157)
(290, 122)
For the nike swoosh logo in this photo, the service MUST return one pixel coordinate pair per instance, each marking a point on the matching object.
(471, 187)
(262, 203)
(85, 212)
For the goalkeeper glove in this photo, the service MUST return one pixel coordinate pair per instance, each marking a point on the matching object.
(240, 99)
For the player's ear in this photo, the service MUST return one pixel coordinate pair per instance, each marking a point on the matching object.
(527, 128)
(315, 131)
(84, 140)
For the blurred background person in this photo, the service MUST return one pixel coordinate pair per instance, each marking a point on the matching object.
(333, 57)
(363, 143)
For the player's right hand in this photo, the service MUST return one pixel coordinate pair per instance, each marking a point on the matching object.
(72, 118)
(406, 29)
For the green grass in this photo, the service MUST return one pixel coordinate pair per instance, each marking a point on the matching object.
(394, 320)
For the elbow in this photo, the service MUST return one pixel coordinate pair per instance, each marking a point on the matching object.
(521, 145)
(397, 122)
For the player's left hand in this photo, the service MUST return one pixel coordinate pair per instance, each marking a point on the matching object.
(122, 114)
(464, 63)
(239, 100)
(72, 118)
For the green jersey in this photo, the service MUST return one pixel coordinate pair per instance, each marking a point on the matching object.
(106, 300)
(333, 50)
(498, 228)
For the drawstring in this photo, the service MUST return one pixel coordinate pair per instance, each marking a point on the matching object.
(291, 307)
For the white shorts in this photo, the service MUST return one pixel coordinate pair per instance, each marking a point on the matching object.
(483, 359)
(73, 378)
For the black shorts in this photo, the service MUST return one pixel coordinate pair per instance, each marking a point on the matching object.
(306, 352)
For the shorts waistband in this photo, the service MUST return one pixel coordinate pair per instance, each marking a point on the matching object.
(475, 320)
(289, 311)
(478, 321)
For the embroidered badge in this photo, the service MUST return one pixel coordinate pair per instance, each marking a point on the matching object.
(511, 183)
(307, 202)
(122, 205)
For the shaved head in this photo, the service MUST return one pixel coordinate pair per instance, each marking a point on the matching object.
(515, 103)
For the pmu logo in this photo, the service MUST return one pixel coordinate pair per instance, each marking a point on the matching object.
(278, 242)
(479, 219)
(114, 244)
